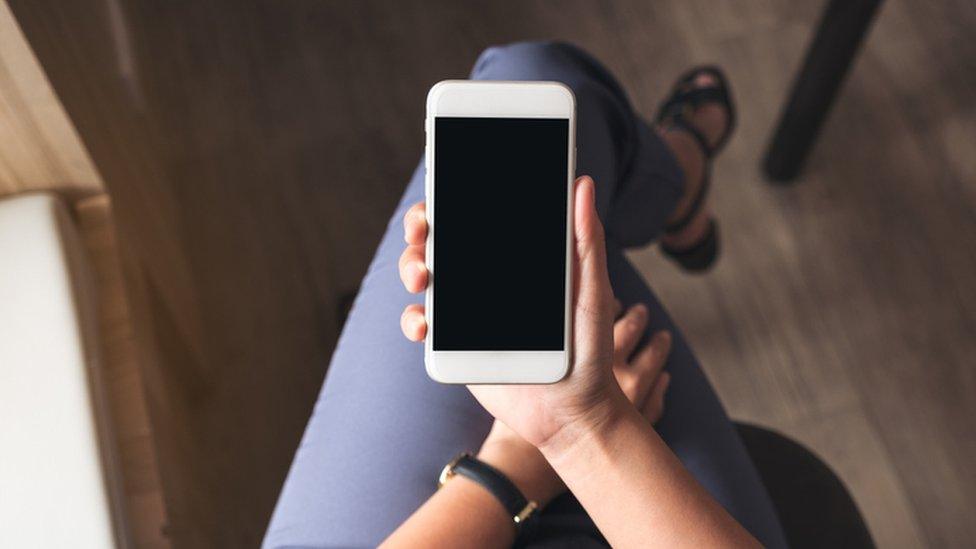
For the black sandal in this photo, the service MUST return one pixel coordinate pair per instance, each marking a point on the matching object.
(674, 113)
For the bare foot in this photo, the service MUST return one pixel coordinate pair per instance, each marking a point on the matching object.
(711, 120)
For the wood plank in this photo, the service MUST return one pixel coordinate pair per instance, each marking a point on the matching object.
(143, 497)
(41, 149)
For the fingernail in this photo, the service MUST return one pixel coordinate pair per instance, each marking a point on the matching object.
(419, 267)
(639, 309)
(665, 336)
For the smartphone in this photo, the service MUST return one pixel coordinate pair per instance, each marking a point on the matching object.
(500, 159)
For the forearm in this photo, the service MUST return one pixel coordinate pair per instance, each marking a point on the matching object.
(461, 512)
(636, 490)
(464, 512)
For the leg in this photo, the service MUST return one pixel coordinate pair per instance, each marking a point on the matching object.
(377, 407)
(839, 34)
(638, 180)
(381, 429)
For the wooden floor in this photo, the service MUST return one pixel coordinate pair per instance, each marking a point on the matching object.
(844, 310)
(254, 153)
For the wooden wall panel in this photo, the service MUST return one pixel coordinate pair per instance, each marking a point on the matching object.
(39, 148)
(145, 518)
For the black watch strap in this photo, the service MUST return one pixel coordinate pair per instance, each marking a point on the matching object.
(520, 508)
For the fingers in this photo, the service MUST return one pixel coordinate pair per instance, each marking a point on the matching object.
(642, 373)
(413, 271)
(654, 407)
(594, 297)
(412, 322)
(649, 363)
(415, 224)
(628, 331)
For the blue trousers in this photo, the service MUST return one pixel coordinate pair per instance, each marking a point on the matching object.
(381, 430)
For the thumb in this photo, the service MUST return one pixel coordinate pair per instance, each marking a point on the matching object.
(593, 294)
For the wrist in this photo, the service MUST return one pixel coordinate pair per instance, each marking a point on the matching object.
(525, 467)
(591, 427)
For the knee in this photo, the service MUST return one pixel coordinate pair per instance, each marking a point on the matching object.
(537, 60)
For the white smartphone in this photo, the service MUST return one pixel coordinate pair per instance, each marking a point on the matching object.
(501, 159)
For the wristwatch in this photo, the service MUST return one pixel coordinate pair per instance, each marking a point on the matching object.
(521, 509)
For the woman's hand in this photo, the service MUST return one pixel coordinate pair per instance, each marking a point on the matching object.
(589, 396)
(585, 426)
(638, 373)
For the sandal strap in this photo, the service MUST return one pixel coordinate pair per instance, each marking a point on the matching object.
(679, 121)
(700, 256)
(681, 98)
(697, 97)
(673, 112)
(693, 209)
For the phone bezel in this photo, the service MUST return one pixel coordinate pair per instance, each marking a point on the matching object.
(498, 99)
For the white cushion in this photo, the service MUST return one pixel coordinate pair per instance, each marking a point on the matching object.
(54, 485)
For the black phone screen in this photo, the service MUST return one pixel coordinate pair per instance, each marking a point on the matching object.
(499, 274)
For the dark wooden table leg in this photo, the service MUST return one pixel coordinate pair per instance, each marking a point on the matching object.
(841, 31)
